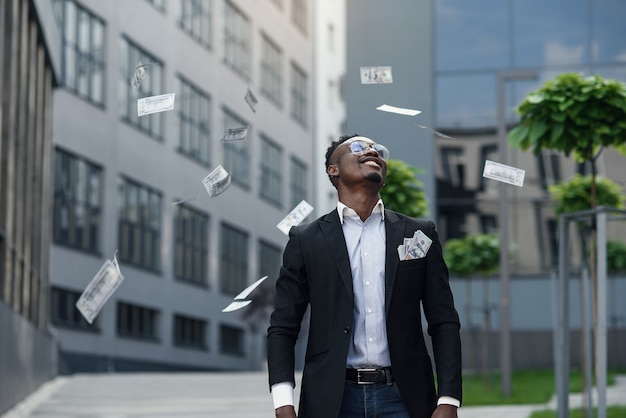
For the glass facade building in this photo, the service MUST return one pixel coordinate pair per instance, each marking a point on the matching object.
(473, 43)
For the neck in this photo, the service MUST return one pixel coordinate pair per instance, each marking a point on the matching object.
(363, 203)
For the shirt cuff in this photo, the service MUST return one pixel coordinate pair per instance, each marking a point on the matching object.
(282, 394)
(448, 400)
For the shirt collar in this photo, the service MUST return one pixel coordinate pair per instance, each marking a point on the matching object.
(344, 210)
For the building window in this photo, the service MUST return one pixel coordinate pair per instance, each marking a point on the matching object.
(194, 115)
(233, 260)
(63, 310)
(298, 94)
(137, 321)
(297, 181)
(158, 4)
(131, 56)
(191, 231)
(195, 19)
(549, 167)
(271, 70)
(231, 340)
(553, 241)
(488, 224)
(237, 39)
(140, 226)
(237, 153)
(269, 259)
(271, 181)
(299, 14)
(83, 63)
(190, 332)
(452, 166)
(487, 152)
(77, 202)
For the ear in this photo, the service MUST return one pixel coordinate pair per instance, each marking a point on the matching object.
(333, 170)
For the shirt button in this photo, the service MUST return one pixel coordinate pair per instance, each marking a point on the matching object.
(367, 283)
(346, 330)
(370, 339)
(369, 311)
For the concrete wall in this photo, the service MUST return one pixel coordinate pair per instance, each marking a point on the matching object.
(27, 358)
(531, 322)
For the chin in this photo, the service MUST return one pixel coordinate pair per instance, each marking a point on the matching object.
(374, 177)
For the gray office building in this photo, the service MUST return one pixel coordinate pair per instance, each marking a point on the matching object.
(130, 187)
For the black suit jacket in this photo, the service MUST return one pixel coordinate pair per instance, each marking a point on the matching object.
(316, 272)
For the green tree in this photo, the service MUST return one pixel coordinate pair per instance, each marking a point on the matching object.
(575, 195)
(615, 257)
(575, 115)
(403, 192)
(477, 254)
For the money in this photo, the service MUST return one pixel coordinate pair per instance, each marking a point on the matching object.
(240, 300)
(235, 134)
(99, 290)
(504, 173)
(376, 75)
(295, 217)
(116, 263)
(138, 76)
(154, 104)
(398, 110)
(217, 181)
(414, 247)
(251, 100)
(435, 132)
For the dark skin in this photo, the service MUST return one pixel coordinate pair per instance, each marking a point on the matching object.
(358, 179)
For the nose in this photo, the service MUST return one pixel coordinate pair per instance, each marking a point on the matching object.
(370, 151)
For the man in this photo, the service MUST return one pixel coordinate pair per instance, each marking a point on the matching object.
(366, 355)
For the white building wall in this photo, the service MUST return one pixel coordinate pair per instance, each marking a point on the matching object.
(330, 108)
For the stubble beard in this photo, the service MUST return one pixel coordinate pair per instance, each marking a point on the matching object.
(374, 177)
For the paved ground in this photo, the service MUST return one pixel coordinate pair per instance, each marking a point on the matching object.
(201, 395)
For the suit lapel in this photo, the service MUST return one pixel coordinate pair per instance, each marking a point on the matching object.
(333, 234)
(394, 230)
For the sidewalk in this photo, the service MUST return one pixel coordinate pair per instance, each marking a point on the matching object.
(200, 395)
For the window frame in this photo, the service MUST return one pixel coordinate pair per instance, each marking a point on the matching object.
(64, 199)
(147, 224)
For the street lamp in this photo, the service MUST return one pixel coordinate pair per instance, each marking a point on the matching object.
(503, 222)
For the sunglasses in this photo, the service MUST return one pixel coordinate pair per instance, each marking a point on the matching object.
(361, 147)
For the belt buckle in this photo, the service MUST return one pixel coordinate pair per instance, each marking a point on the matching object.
(358, 376)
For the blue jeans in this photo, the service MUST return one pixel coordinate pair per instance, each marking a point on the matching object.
(379, 400)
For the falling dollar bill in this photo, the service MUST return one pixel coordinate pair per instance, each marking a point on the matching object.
(240, 300)
(504, 173)
(251, 100)
(99, 290)
(295, 217)
(235, 134)
(154, 104)
(217, 181)
(376, 75)
(439, 134)
(138, 76)
(398, 110)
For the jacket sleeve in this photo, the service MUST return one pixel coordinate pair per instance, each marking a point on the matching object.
(290, 303)
(443, 321)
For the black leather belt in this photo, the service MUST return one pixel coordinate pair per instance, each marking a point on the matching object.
(370, 376)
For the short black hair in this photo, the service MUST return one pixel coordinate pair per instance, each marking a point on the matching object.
(333, 146)
(329, 152)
